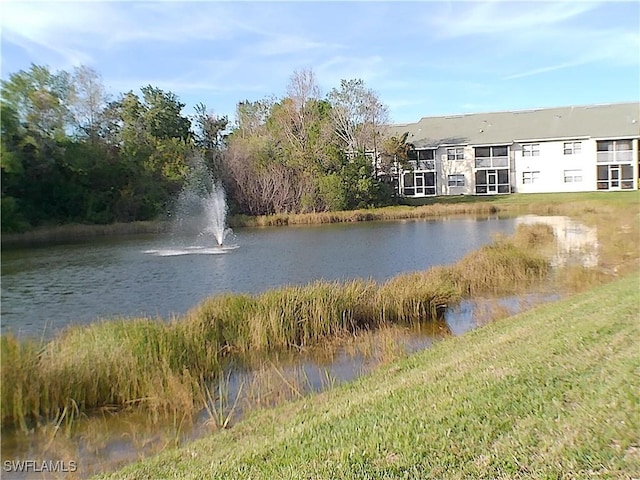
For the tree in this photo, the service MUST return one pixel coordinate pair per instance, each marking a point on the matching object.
(41, 99)
(153, 139)
(210, 137)
(88, 103)
(35, 119)
(304, 153)
(251, 117)
(394, 153)
(12, 170)
(357, 115)
(162, 114)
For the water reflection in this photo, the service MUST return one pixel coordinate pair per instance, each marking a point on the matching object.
(575, 243)
(471, 313)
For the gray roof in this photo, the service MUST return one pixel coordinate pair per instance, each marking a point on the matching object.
(619, 120)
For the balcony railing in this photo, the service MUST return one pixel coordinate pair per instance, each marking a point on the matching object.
(492, 162)
(615, 156)
(423, 164)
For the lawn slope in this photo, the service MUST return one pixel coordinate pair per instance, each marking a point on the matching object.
(550, 393)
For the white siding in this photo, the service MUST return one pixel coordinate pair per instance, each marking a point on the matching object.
(547, 170)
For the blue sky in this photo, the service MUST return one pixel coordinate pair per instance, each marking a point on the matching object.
(422, 58)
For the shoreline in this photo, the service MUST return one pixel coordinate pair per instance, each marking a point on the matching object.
(431, 208)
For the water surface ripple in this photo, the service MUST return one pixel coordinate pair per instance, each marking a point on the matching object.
(46, 288)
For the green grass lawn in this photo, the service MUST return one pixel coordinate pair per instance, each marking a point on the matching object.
(550, 393)
(618, 197)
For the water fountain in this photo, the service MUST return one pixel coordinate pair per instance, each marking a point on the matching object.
(200, 212)
(215, 211)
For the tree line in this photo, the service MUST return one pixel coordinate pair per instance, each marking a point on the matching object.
(72, 153)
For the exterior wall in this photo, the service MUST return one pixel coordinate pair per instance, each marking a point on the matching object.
(446, 167)
(552, 164)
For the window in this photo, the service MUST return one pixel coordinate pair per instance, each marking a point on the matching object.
(531, 150)
(483, 152)
(426, 159)
(422, 159)
(492, 181)
(572, 176)
(615, 177)
(408, 184)
(455, 180)
(605, 146)
(426, 154)
(501, 151)
(530, 177)
(572, 148)
(455, 153)
(622, 145)
(419, 184)
(614, 151)
(488, 157)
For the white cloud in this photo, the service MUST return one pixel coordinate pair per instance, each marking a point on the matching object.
(582, 47)
(541, 70)
(55, 27)
(526, 39)
(504, 18)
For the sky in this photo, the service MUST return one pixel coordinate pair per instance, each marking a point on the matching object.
(422, 58)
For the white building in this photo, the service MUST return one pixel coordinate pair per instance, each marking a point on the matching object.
(566, 149)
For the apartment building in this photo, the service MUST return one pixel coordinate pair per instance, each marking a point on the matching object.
(565, 149)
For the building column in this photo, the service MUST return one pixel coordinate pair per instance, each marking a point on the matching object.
(634, 159)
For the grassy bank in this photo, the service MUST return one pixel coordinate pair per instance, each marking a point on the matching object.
(80, 232)
(162, 367)
(436, 207)
(550, 393)
(540, 203)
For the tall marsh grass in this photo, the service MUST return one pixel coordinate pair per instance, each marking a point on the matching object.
(162, 367)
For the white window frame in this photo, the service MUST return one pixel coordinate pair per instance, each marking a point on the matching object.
(614, 152)
(530, 177)
(455, 154)
(572, 148)
(531, 150)
(573, 176)
(456, 180)
(493, 160)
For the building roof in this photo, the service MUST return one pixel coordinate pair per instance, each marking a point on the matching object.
(619, 120)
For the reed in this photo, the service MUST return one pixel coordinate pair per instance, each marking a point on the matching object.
(416, 297)
(533, 236)
(119, 363)
(501, 267)
(573, 204)
(364, 215)
(161, 367)
(77, 232)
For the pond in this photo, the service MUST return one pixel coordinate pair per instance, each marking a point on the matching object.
(165, 275)
(46, 288)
